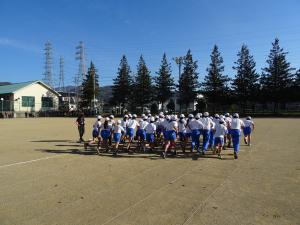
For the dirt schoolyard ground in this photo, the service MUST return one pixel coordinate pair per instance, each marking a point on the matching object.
(48, 178)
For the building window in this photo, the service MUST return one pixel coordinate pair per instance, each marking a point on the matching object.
(28, 101)
(47, 102)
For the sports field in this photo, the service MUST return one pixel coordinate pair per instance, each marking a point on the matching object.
(48, 178)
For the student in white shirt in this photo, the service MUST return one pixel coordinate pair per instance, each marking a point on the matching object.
(182, 132)
(188, 133)
(248, 128)
(141, 133)
(196, 127)
(111, 123)
(159, 126)
(150, 133)
(124, 125)
(235, 129)
(207, 126)
(131, 126)
(171, 131)
(215, 121)
(165, 125)
(105, 132)
(227, 138)
(95, 134)
(117, 133)
(124, 121)
(96, 127)
(149, 118)
(220, 133)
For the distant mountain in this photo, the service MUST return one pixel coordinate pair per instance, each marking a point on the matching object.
(5, 83)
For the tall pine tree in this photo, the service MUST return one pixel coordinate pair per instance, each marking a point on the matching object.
(121, 90)
(215, 83)
(188, 82)
(164, 83)
(143, 90)
(90, 87)
(245, 83)
(297, 79)
(277, 76)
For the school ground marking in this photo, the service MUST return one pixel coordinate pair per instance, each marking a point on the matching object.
(29, 161)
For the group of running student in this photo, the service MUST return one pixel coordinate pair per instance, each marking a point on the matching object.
(150, 131)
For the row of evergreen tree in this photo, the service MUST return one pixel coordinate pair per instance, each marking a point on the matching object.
(278, 83)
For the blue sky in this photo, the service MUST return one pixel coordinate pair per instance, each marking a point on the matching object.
(111, 28)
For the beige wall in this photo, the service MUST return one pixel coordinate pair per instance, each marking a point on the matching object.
(38, 91)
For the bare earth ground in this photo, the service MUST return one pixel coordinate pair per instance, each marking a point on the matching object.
(44, 180)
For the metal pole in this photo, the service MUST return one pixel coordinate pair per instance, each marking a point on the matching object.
(94, 92)
(2, 106)
(179, 76)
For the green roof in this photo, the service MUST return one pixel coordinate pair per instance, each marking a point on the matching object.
(11, 88)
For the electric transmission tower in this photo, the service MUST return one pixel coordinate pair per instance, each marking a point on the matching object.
(80, 55)
(48, 75)
(61, 84)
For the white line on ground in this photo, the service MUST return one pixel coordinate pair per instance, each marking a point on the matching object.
(29, 161)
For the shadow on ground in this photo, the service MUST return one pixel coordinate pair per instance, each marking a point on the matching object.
(153, 156)
(69, 141)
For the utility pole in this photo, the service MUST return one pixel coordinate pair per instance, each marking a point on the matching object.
(61, 84)
(48, 74)
(94, 83)
(80, 55)
(179, 61)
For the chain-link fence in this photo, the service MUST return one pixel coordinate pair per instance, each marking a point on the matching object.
(13, 109)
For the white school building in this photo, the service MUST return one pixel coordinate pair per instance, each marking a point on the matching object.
(30, 97)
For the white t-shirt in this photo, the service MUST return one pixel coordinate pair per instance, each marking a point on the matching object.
(97, 124)
(143, 124)
(118, 129)
(124, 123)
(196, 124)
(132, 124)
(172, 125)
(160, 123)
(150, 128)
(216, 120)
(188, 129)
(248, 123)
(221, 130)
(207, 123)
(165, 124)
(213, 124)
(182, 126)
(236, 123)
(111, 122)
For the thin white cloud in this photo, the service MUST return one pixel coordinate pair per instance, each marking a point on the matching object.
(16, 44)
